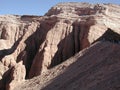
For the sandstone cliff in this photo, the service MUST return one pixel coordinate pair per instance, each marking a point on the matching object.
(94, 68)
(33, 46)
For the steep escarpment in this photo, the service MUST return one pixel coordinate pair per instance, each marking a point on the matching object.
(33, 46)
(14, 32)
(96, 67)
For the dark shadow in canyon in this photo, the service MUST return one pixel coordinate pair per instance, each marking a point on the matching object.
(33, 43)
(5, 78)
(71, 44)
(6, 52)
(110, 36)
(78, 74)
(90, 64)
(66, 49)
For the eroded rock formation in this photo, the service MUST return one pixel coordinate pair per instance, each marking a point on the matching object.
(94, 68)
(17, 75)
(41, 43)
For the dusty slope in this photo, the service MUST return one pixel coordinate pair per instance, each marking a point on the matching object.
(95, 68)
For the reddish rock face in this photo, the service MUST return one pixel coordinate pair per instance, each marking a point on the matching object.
(94, 68)
(17, 75)
(44, 42)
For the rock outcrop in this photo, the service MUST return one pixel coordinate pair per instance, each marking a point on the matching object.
(42, 43)
(94, 68)
(17, 75)
(72, 32)
(14, 42)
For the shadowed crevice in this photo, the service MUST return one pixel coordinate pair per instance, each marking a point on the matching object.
(89, 72)
(5, 52)
(110, 36)
(33, 43)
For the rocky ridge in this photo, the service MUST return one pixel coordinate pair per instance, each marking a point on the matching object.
(37, 45)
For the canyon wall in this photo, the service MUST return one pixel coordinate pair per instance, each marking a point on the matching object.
(33, 45)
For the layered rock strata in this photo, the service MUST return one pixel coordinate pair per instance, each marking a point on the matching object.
(43, 42)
